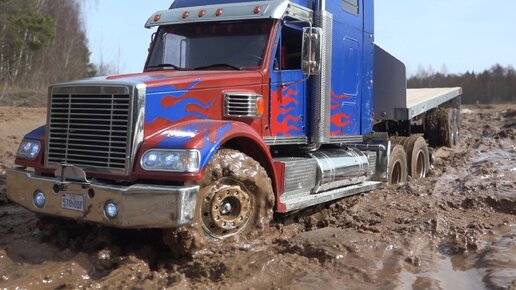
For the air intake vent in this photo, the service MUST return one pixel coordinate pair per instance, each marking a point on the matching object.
(243, 105)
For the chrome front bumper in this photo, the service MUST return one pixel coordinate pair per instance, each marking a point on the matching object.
(140, 205)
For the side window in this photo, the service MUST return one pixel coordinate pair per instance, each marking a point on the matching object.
(351, 6)
(288, 55)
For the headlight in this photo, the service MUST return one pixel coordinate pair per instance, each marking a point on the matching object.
(29, 149)
(186, 161)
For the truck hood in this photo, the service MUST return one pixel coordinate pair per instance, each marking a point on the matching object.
(174, 97)
(183, 79)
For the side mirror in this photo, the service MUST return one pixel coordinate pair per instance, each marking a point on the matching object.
(311, 51)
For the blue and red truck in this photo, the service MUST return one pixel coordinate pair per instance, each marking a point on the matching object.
(244, 108)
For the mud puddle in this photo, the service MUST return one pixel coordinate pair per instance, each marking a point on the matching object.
(443, 274)
(492, 267)
(452, 230)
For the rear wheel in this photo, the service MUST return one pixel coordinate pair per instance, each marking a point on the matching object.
(398, 165)
(236, 198)
(418, 157)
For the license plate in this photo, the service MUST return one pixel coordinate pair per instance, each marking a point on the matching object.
(72, 202)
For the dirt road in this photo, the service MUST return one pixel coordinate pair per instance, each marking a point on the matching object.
(453, 230)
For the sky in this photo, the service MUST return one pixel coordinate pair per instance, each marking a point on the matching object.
(449, 36)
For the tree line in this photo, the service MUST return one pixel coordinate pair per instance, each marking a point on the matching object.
(42, 42)
(494, 85)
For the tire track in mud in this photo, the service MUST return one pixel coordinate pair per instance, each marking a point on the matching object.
(454, 229)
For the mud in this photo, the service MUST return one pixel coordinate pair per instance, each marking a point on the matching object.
(455, 229)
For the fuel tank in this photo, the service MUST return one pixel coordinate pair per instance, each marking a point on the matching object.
(327, 169)
(340, 167)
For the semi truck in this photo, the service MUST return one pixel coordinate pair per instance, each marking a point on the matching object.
(244, 108)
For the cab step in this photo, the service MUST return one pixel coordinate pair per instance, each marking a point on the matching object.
(305, 199)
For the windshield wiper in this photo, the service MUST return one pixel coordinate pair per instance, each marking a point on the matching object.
(163, 65)
(219, 65)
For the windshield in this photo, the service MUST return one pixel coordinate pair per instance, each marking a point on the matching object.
(231, 45)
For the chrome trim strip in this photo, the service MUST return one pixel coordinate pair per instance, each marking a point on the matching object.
(138, 124)
(276, 140)
(275, 9)
(346, 139)
(321, 84)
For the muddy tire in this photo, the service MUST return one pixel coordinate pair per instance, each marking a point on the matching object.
(418, 157)
(456, 127)
(236, 198)
(449, 121)
(398, 165)
(432, 128)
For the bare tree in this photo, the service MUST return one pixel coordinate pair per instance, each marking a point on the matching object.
(41, 42)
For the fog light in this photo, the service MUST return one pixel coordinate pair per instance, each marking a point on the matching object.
(111, 210)
(39, 199)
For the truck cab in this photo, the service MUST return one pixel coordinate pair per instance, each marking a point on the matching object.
(243, 108)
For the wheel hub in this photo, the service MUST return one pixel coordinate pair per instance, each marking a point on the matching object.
(225, 211)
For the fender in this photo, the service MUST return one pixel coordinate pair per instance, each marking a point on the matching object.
(37, 134)
(208, 136)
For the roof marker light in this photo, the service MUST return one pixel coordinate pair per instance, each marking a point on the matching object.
(186, 14)
(202, 13)
(157, 17)
(219, 12)
(257, 9)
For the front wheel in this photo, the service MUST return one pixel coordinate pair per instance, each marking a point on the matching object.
(236, 198)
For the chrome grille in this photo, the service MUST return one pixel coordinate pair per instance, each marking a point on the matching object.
(90, 130)
(242, 105)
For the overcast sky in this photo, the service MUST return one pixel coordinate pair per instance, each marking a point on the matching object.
(448, 35)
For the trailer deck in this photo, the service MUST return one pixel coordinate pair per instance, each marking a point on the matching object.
(421, 100)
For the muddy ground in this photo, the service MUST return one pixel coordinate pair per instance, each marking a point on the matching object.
(453, 230)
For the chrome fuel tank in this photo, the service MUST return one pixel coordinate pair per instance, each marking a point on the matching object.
(340, 167)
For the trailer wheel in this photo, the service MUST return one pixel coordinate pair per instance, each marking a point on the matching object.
(456, 127)
(432, 128)
(398, 165)
(418, 157)
(236, 198)
(449, 120)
